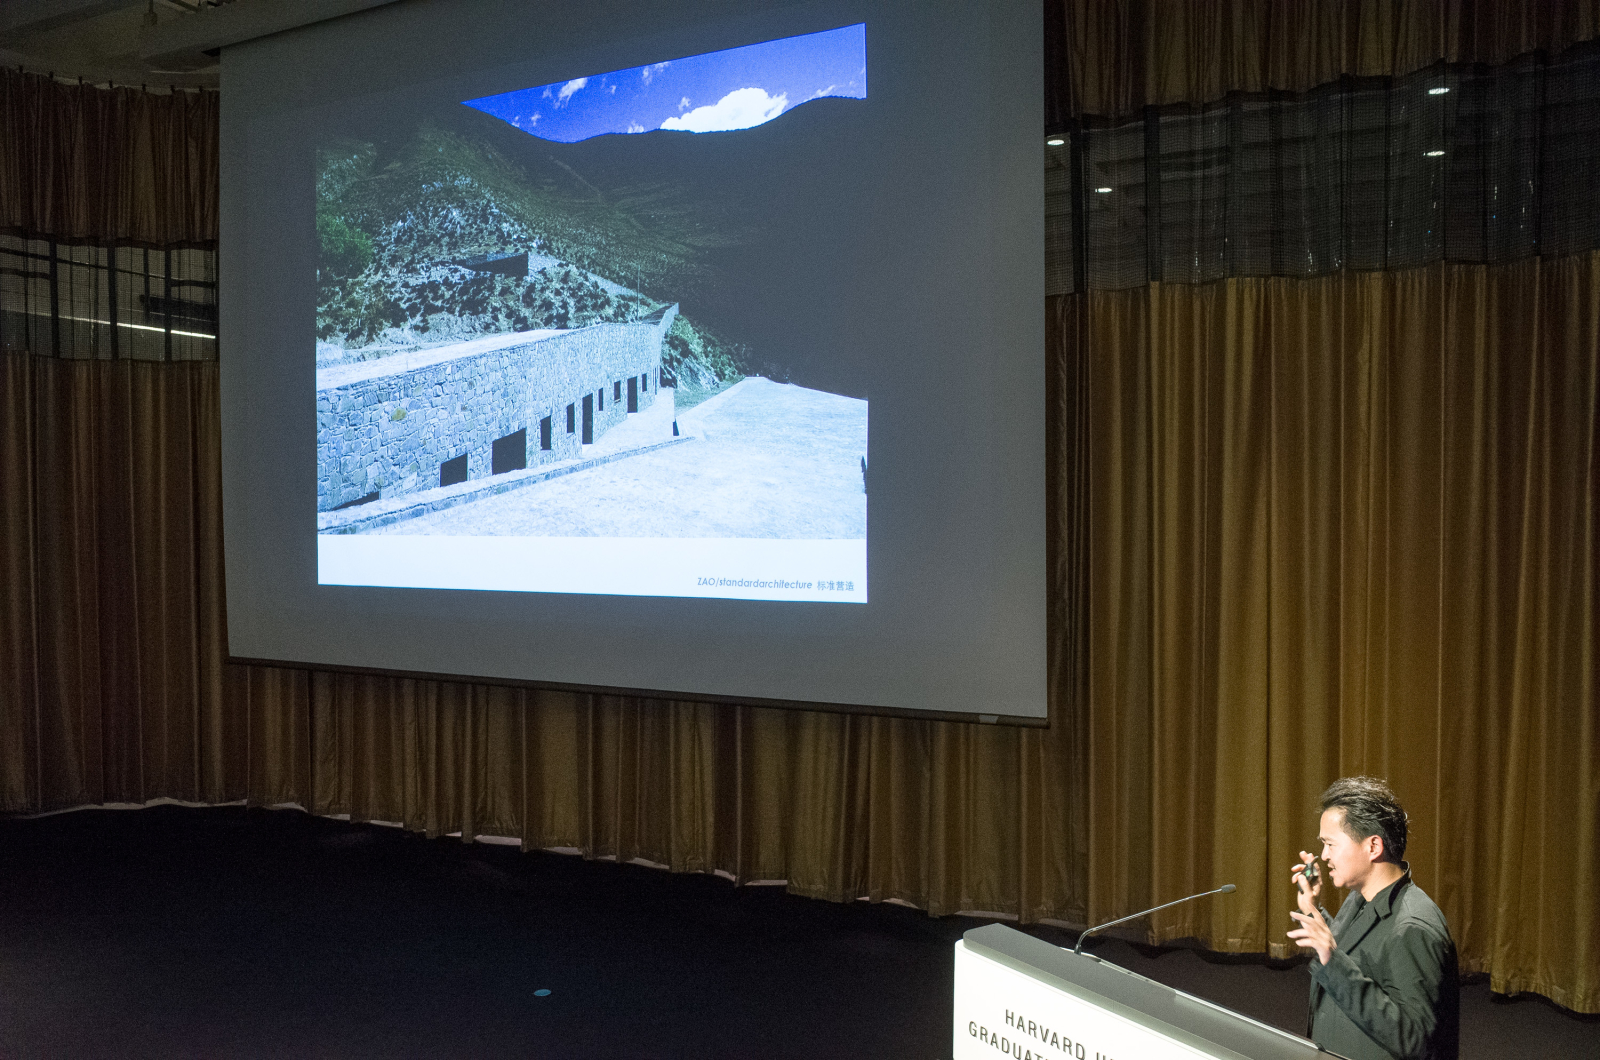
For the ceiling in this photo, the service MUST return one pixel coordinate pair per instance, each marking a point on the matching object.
(100, 40)
(171, 43)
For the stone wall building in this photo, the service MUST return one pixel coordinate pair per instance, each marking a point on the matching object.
(415, 421)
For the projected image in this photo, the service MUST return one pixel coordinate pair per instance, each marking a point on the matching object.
(564, 342)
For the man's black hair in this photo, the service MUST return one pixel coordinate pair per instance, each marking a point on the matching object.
(1370, 808)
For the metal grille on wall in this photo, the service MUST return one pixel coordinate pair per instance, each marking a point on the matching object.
(89, 302)
(1464, 164)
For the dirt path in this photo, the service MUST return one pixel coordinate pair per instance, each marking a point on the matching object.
(768, 461)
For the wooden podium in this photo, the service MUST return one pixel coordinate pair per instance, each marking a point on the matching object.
(1022, 999)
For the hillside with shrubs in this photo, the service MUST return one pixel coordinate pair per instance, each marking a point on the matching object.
(422, 241)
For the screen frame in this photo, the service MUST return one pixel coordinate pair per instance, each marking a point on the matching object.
(679, 694)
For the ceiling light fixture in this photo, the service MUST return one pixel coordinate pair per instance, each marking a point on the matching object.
(1438, 90)
(1433, 154)
(1102, 191)
(1055, 141)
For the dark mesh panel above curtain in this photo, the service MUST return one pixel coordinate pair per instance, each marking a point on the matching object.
(108, 221)
(1459, 164)
(108, 303)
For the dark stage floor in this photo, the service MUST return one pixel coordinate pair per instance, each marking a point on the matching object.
(174, 932)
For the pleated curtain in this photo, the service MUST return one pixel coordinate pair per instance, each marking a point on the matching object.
(1113, 58)
(1347, 525)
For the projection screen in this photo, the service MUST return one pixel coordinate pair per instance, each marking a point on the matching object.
(693, 349)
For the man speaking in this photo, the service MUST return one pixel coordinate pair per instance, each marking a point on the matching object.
(1384, 982)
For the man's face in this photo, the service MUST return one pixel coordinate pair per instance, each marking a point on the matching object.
(1349, 860)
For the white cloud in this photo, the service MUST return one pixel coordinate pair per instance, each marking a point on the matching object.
(683, 104)
(547, 93)
(634, 126)
(533, 119)
(613, 89)
(651, 71)
(740, 109)
(819, 93)
(569, 88)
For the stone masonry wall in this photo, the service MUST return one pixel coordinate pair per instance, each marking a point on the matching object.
(388, 434)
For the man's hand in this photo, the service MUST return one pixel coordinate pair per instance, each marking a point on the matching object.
(1307, 893)
(1314, 934)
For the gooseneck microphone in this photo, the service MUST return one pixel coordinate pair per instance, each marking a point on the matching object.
(1226, 888)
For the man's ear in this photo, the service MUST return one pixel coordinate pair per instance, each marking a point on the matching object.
(1375, 849)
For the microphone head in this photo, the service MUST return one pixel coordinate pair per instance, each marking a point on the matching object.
(1226, 888)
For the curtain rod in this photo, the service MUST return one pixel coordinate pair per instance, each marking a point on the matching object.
(68, 80)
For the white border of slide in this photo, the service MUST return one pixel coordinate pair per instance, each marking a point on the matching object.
(833, 572)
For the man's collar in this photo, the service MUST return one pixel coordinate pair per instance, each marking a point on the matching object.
(1383, 902)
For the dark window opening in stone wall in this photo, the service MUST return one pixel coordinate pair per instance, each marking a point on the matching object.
(601, 394)
(616, 390)
(511, 452)
(368, 499)
(544, 434)
(588, 419)
(453, 471)
(633, 394)
(570, 418)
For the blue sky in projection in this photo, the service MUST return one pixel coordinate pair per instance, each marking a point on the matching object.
(734, 89)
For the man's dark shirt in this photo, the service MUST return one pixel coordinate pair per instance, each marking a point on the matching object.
(1391, 989)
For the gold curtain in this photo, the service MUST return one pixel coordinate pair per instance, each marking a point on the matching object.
(1119, 56)
(84, 164)
(1342, 526)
